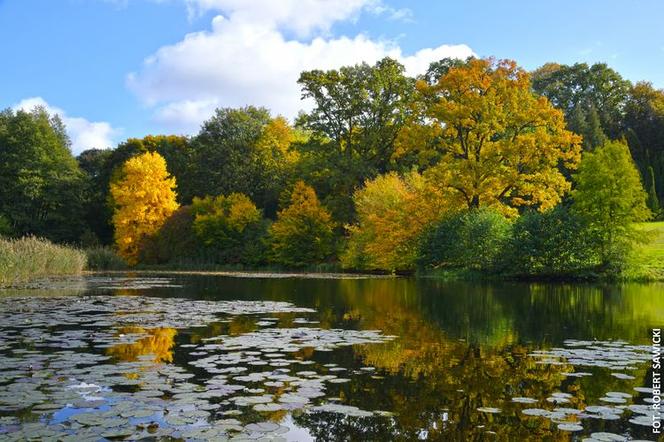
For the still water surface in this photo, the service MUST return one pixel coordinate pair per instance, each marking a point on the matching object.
(215, 358)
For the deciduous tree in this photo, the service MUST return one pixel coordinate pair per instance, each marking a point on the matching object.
(302, 234)
(498, 144)
(144, 197)
(42, 189)
(357, 115)
(244, 151)
(392, 213)
(231, 227)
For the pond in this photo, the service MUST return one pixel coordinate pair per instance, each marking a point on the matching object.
(194, 357)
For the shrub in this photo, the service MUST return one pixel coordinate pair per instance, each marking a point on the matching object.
(104, 258)
(302, 234)
(29, 257)
(473, 240)
(552, 243)
(231, 228)
(175, 240)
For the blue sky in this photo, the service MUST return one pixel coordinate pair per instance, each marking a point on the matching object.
(120, 68)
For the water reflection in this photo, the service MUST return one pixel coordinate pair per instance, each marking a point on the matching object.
(157, 343)
(469, 361)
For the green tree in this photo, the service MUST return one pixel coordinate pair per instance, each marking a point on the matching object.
(644, 126)
(551, 243)
(590, 87)
(98, 212)
(302, 234)
(609, 197)
(242, 151)
(230, 227)
(586, 123)
(653, 200)
(357, 115)
(42, 189)
(174, 242)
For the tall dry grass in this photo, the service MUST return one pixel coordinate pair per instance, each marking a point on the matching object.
(29, 257)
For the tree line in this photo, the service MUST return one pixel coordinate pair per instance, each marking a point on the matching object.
(477, 164)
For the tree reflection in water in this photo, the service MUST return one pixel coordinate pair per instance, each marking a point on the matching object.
(158, 342)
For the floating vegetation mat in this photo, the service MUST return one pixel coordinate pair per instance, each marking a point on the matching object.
(614, 358)
(95, 367)
(80, 284)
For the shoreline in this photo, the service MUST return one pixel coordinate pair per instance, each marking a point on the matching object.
(42, 282)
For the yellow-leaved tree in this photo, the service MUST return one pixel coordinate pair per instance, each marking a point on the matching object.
(494, 141)
(144, 197)
(392, 213)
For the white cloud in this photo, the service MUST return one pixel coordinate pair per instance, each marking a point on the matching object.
(247, 58)
(300, 16)
(84, 134)
(185, 115)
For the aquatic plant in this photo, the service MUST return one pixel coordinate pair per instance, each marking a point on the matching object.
(31, 257)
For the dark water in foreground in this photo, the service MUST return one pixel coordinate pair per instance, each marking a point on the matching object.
(215, 358)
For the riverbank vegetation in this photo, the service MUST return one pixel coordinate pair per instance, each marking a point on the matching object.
(29, 257)
(475, 167)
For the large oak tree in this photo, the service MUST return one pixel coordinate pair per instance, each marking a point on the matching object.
(497, 144)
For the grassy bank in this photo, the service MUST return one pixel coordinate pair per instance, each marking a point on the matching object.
(28, 258)
(647, 260)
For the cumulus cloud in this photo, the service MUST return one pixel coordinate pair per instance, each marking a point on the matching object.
(84, 134)
(247, 57)
(300, 16)
(186, 115)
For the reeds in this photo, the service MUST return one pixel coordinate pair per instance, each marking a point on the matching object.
(29, 257)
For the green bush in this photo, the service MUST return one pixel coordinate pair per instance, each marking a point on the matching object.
(175, 240)
(104, 258)
(472, 240)
(29, 257)
(230, 228)
(303, 234)
(552, 243)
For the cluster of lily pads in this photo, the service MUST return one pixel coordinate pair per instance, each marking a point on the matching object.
(57, 380)
(615, 356)
(100, 311)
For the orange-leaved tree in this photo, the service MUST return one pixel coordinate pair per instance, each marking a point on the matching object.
(497, 143)
(144, 197)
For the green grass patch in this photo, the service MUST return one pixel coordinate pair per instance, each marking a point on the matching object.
(647, 260)
(28, 258)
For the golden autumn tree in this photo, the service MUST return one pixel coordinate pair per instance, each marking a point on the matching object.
(497, 143)
(303, 232)
(144, 197)
(392, 213)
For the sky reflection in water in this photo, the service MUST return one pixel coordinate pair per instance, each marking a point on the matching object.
(381, 359)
